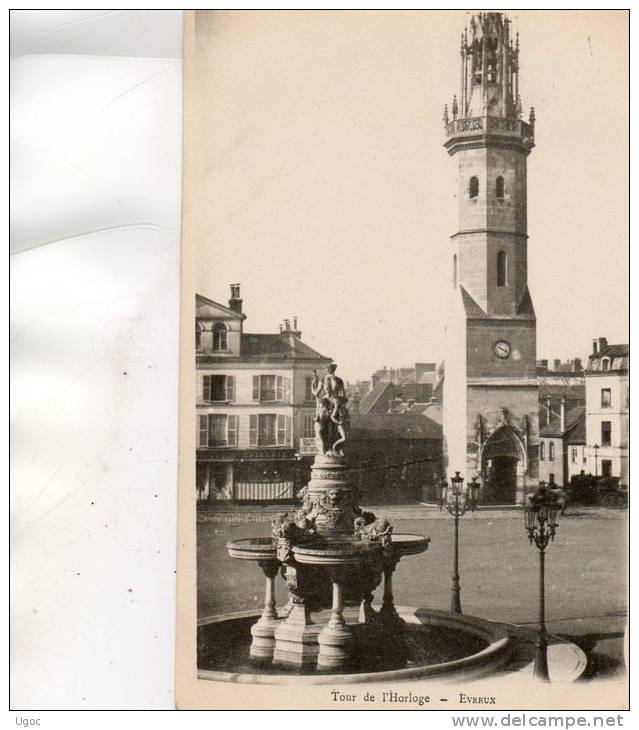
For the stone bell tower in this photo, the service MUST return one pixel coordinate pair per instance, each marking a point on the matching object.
(490, 383)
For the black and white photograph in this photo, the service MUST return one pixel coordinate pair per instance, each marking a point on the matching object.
(404, 397)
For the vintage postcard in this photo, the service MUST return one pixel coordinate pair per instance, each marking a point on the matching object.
(404, 361)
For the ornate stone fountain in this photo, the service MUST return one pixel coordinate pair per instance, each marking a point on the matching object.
(330, 552)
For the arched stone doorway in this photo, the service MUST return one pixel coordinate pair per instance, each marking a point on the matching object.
(503, 464)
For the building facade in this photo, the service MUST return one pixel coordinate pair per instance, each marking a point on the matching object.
(254, 407)
(395, 457)
(607, 410)
(490, 389)
(561, 432)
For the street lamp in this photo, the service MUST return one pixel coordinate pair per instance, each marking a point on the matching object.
(458, 499)
(595, 449)
(541, 514)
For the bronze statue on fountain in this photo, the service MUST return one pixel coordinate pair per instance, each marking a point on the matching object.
(332, 419)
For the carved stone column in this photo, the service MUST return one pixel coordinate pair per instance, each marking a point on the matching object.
(336, 638)
(263, 632)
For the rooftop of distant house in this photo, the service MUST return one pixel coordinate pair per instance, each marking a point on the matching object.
(395, 426)
(263, 347)
(572, 418)
(607, 358)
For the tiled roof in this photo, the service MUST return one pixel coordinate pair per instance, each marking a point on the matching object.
(373, 396)
(619, 356)
(576, 432)
(573, 416)
(278, 347)
(404, 426)
(419, 392)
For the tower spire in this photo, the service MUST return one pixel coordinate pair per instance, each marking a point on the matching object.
(488, 99)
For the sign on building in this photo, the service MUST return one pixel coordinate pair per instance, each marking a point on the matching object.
(307, 446)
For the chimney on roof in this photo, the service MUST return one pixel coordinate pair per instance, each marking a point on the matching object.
(556, 364)
(294, 330)
(603, 343)
(374, 380)
(576, 365)
(235, 302)
(542, 365)
(562, 414)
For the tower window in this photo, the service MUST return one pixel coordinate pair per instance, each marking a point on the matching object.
(502, 269)
(219, 337)
(499, 187)
(473, 187)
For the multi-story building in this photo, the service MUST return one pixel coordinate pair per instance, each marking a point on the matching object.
(561, 429)
(607, 407)
(254, 405)
(562, 399)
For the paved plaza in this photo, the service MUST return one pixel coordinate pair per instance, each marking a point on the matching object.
(585, 570)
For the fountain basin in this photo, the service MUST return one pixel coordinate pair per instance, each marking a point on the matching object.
(441, 645)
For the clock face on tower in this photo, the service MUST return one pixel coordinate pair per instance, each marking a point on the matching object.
(502, 349)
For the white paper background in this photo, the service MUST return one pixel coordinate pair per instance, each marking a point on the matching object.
(96, 152)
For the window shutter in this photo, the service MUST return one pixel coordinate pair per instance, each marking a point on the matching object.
(279, 394)
(288, 430)
(204, 431)
(281, 430)
(206, 387)
(287, 390)
(253, 430)
(256, 389)
(232, 430)
(230, 387)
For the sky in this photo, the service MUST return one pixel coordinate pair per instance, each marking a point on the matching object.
(318, 180)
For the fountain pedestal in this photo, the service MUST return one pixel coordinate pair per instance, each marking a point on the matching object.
(330, 540)
(296, 637)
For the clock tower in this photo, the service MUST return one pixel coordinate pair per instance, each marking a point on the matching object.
(490, 382)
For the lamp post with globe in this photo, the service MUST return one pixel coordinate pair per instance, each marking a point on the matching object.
(458, 499)
(541, 520)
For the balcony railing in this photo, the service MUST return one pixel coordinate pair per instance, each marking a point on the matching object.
(500, 125)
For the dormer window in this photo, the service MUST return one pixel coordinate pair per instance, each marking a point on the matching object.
(605, 364)
(198, 336)
(473, 187)
(219, 337)
(499, 187)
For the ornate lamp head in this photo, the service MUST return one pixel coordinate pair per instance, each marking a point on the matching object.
(456, 484)
(540, 516)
